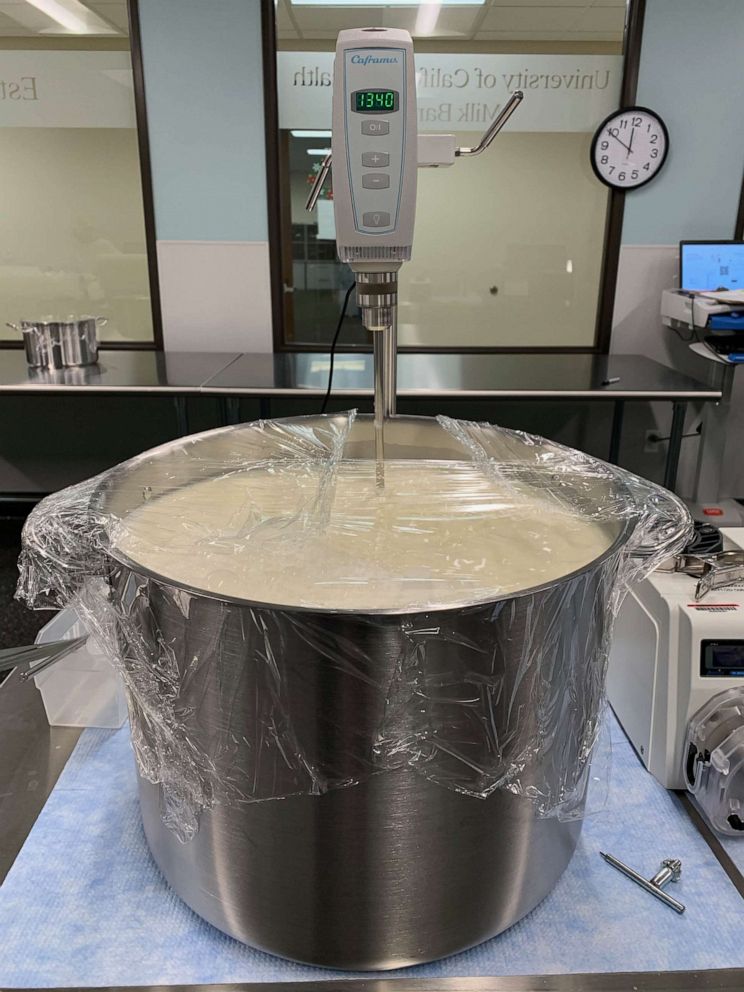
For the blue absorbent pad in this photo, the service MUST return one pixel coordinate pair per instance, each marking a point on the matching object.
(84, 903)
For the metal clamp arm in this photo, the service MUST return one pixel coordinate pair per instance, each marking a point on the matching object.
(725, 569)
(509, 107)
(318, 184)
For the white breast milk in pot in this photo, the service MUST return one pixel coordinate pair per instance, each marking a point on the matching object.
(439, 532)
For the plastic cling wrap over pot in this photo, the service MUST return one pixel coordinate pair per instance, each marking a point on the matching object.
(284, 627)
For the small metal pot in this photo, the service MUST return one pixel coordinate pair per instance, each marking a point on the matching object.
(79, 340)
(51, 344)
(42, 343)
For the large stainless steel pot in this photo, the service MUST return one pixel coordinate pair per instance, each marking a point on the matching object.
(396, 869)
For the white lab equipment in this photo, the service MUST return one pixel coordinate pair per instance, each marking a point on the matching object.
(676, 676)
(81, 689)
(686, 310)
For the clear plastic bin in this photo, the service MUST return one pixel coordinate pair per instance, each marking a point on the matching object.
(82, 689)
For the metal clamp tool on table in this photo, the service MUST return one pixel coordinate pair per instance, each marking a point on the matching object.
(716, 570)
(669, 871)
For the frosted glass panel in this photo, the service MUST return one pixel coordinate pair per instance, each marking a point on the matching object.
(73, 235)
(508, 246)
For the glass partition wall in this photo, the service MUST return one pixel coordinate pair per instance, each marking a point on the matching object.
(72, 240)
(508, 246)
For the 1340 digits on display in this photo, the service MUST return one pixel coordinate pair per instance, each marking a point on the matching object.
(375, 101)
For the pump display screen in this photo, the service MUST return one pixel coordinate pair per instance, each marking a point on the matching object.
(722, 659)
(375, 101)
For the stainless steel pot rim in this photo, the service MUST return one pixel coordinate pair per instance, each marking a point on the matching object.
(424, 610)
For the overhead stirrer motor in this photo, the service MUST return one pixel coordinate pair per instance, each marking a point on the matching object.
(377, 150)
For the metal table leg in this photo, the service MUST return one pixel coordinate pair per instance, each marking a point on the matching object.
(230, 406)
(712, 447)
(675, 444)
(617, 430)
(182, 415)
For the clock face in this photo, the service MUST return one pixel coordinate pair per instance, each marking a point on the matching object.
(629, 148)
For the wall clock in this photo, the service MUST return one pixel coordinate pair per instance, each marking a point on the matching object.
(629, 148)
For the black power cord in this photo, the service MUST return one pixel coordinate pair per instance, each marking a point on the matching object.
(333, 346)
(658, 438)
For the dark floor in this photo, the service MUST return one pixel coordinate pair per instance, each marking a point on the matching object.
(18, 624)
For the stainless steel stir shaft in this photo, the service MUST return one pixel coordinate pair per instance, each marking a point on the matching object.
(385, 355)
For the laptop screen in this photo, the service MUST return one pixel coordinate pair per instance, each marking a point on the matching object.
(710, 265)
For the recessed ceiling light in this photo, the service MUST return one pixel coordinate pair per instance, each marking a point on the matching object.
(73, 16)
(310, 134)
(427, 17)
(318, 151)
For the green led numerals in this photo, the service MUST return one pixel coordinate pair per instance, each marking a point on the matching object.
(375, 101)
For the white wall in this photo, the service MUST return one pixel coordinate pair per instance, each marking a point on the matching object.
(204, 89)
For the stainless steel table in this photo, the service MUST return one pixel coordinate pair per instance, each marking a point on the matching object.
(563, 377)
(606, 378)
(117, 371)
(34, 756)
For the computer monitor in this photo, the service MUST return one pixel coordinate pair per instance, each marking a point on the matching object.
(710, 265)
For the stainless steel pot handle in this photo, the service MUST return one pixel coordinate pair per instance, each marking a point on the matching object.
(21, 330)
(664, 533)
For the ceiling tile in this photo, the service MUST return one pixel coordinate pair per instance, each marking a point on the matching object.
(10, 28)
(114, 12)
(541, 3)
(602, 19)
(597, 36)
(528, 36)
(31, 21)
(531, 18)
(283, 20)
(27, 19)
(452, 22)
(335, 19)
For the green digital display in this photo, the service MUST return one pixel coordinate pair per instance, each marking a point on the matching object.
(374, 101)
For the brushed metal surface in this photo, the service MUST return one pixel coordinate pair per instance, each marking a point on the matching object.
(305, 374)
(389, 873)
(118, 371)
(713, 980)
(464, 375)
(32, 756)
(396, 869)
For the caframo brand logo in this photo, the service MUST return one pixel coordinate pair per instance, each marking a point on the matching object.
(374, 59)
